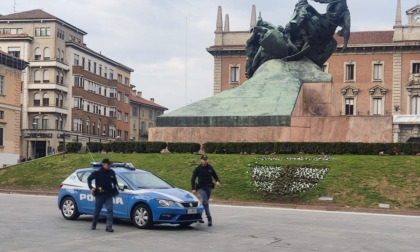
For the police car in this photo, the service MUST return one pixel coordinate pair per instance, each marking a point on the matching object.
(144, 198)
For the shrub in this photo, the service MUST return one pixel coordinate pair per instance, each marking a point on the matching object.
(94, 147)
(184, 147)
(73, 147)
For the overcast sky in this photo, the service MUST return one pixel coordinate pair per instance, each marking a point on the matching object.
(152, 36)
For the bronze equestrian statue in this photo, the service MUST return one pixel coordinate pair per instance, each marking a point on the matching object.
(308, 34)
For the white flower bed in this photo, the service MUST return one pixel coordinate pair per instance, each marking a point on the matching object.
(279, 180)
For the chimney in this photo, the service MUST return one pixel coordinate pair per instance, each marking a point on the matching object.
(139, 94)
(152, 99)
(219, 21)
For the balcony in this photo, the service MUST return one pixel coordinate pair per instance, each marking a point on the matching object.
(48, 109)
(48, 86)
(50, 63)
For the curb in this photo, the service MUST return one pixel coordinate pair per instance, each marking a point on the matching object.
(327, 208)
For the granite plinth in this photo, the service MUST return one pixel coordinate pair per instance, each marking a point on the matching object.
(267, 99)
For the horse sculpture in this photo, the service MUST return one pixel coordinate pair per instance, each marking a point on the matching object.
(308, 34)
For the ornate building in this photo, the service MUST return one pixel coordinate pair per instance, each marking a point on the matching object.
(69, 91)
(377, 76)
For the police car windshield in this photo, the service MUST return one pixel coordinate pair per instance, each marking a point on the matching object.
(146, 180)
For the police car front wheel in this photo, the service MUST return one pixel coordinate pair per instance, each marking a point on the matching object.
(142, 216)
(69, 209)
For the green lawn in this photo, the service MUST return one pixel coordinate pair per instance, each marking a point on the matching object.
(353, 181)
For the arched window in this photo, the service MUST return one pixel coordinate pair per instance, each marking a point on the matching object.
(37, 53)
(45, 100)
(58, 100)
(37, 99)
(99, 127)
(62, 55)
(46, 76)
(46, 53)
(35, 122)
(58, 56)
(87, 125)
(59, 123)
(45, 122)
(37, 76)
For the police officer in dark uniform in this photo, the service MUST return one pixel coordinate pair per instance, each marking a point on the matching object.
(106, 188)
(204, 172)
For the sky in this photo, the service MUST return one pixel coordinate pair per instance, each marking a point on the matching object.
(165, 41)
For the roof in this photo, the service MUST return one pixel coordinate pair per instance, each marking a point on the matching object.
(11, 61)
(146, 102)
(37, 14)
(368, 37)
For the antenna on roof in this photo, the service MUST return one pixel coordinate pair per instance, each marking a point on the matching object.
(14, 6)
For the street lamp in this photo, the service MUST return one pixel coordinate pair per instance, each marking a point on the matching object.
(35, 127)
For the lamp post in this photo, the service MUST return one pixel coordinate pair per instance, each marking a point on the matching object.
(35, 126)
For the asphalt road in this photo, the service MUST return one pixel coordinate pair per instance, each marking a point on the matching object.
(34, 223)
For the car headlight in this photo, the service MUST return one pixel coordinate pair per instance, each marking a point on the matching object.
(165, 203)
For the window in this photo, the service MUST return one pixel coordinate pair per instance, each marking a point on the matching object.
(234, 73)
(125, 117)
(119, 78)
(119, 96)
(77, 124)
(415, 105)
(126, 81)
(126, 99)
(349, 72)
(100, 70)
(60, 34)
(349, 106)
(150, 125)
(106, 72)
(142, 113)
(151, 114)
(83, 62)
(377, 72)
(14, 51)
(377, 106)
(42, 32)
(35, 122)
(94, 67)
(46, 76)
(46, 53)
(89, 64)
(37, 53)
(134, 124)
(119, 115)
(416, 68)
(45, 100)
(135, 111)
(2, 86)
(59, 123)
(125, 135)
(58, 56)
(37, 100)
(37, 76)
(1, 136)
(62, 56)
(76, 60)
(1, 114)
(60, 77)
(59, 100)
(111, 74)
(45, 122)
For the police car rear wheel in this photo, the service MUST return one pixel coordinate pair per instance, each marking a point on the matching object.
(69, 209)
(142, 216)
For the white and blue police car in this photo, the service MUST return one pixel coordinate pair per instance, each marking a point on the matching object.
(144, 198)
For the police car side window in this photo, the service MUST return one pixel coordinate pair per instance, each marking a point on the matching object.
(121, 182)
(84, 176)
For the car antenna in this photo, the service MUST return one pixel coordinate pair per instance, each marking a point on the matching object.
(87, 147)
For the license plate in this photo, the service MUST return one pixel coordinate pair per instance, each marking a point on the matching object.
(191, 211)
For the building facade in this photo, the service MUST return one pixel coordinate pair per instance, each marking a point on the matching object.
(70, 92)
(10, 108)
(377, 76)
(143, 116)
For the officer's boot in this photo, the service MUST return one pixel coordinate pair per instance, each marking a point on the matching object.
(209, 223)
(93, 225)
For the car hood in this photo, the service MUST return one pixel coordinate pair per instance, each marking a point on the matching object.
(174, 194)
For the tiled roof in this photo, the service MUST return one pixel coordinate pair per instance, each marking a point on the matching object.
(32, 14)
(368, 37)
(146, 102)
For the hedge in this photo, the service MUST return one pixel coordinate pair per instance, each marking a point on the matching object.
(184, 147)
(313, 148)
